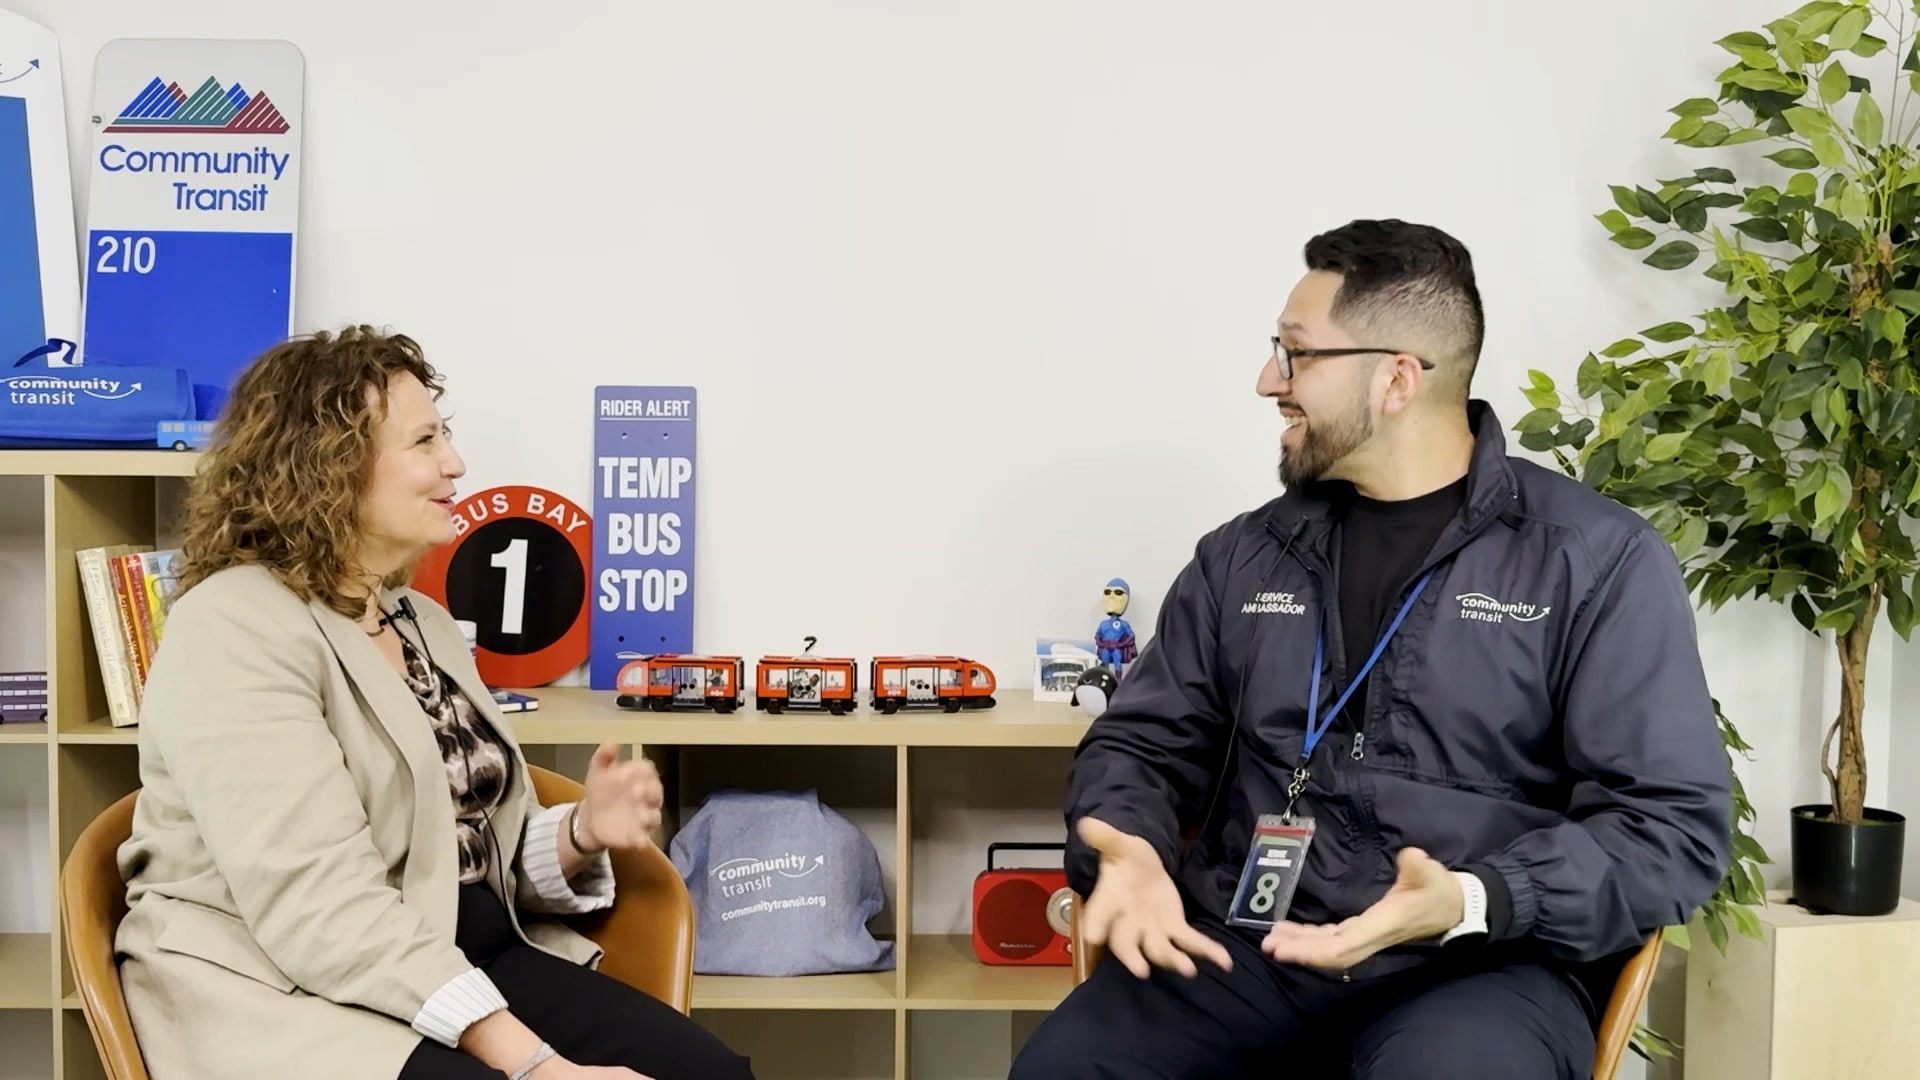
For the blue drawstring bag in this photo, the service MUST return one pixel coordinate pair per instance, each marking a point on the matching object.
(91, 405)
(782, 885)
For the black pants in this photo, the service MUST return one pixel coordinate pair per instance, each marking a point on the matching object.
(1455, 1021)
(588, 1018)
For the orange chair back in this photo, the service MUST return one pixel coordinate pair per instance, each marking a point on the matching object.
(93, 900)
(1616, 1025)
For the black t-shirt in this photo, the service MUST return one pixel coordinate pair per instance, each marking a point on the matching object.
(1382, 545)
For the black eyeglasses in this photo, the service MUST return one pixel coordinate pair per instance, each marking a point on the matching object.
(1283, 356)
(1114, 592)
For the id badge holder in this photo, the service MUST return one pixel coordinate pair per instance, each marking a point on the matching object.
(1275, 860)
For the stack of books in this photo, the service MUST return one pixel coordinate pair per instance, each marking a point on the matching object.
(23, 697)
(128, 589)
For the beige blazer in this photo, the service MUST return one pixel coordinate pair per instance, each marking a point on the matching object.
(292, 874)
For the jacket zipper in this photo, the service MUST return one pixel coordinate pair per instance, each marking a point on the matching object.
(1322, 576)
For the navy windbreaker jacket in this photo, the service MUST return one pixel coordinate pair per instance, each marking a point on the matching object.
(1541, 718)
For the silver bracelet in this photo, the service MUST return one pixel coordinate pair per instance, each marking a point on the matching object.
(573, 835)
(533, 1062)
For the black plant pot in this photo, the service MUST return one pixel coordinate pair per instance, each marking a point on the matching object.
(1847, 869)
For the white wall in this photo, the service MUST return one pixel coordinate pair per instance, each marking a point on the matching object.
(1021, 249)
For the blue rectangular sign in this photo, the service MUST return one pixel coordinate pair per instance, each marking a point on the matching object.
(203, 302)
(23, 325)
(643, 500)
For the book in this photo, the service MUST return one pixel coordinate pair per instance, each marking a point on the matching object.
(128, 589)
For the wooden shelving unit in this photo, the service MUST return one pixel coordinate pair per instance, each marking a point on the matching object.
(911, 780)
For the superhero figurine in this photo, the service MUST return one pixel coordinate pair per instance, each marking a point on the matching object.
(1114, 637)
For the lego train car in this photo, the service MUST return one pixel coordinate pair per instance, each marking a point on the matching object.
(805, 682)
(681, 680)
(950, 683)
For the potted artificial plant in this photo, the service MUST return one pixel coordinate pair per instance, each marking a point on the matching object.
(1773, 436)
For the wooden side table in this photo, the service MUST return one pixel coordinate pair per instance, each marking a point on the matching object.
(1822, 997)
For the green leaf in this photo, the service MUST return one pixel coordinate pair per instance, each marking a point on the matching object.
(1796, 278)
(1817, 18)
(1831, 498)
(1869, 46)
(1794, 157)
(1634, 238)
(1713, 174)
(1625, 347)
(1540, 419)
(1755, 79)
(1673, 255)
(1765, 230)
(1798, 339)
(1743, 39)
(1662, 447)
(1809, 480)
(1693, 534)
(1763, 317)
(1895, 326)
(1677, 937)
(1837, 408)
(1747, 921)
(1684, 128)
(1906, 300)
(1848, 28)
(1698, 106)
(1651, 205)
(1716, 930)
(1542, 399)
(1627, 200)
(1668, 332)
(1900, 612)
(1616, 222)
(1807, 122)
(1717, 371)
(1834, 83)
(1829, 151)
(1744, 135)
(1540, 379)
(1838, 619)
(1868, 122)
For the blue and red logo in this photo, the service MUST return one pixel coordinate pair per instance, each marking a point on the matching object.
(211, 110)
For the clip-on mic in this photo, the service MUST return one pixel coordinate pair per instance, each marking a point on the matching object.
(405, 612)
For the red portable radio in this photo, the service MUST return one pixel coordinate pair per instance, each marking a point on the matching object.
(1022, 915)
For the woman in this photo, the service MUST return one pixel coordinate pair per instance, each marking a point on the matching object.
(337, 864)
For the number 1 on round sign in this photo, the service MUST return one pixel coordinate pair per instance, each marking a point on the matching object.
(513, 596)
(135, 254)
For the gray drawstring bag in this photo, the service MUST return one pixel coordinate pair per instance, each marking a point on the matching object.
(781, 886)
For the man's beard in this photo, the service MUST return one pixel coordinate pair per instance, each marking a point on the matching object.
(1323, 444)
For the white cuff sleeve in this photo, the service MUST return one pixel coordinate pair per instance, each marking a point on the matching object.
(461, 1002)
(590, 890)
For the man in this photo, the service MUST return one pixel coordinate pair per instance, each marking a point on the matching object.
(1524, 782)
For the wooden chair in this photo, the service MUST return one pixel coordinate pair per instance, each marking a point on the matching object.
(647, 935)
(1616, 1025)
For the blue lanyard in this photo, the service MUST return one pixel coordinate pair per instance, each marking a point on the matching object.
(1316, 727)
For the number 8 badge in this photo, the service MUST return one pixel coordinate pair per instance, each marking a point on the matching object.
(1275, 859)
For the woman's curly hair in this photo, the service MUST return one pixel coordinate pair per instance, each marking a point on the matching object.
(281, 481)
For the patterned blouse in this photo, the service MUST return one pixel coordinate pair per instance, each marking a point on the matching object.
(476, 760)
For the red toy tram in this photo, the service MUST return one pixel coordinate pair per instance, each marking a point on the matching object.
(950, 683)
(805, 682)
(681, 680)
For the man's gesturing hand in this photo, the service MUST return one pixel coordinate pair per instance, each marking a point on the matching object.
(1135, 909)
(1425, 901)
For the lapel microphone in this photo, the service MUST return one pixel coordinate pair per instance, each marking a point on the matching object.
(405, 612)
